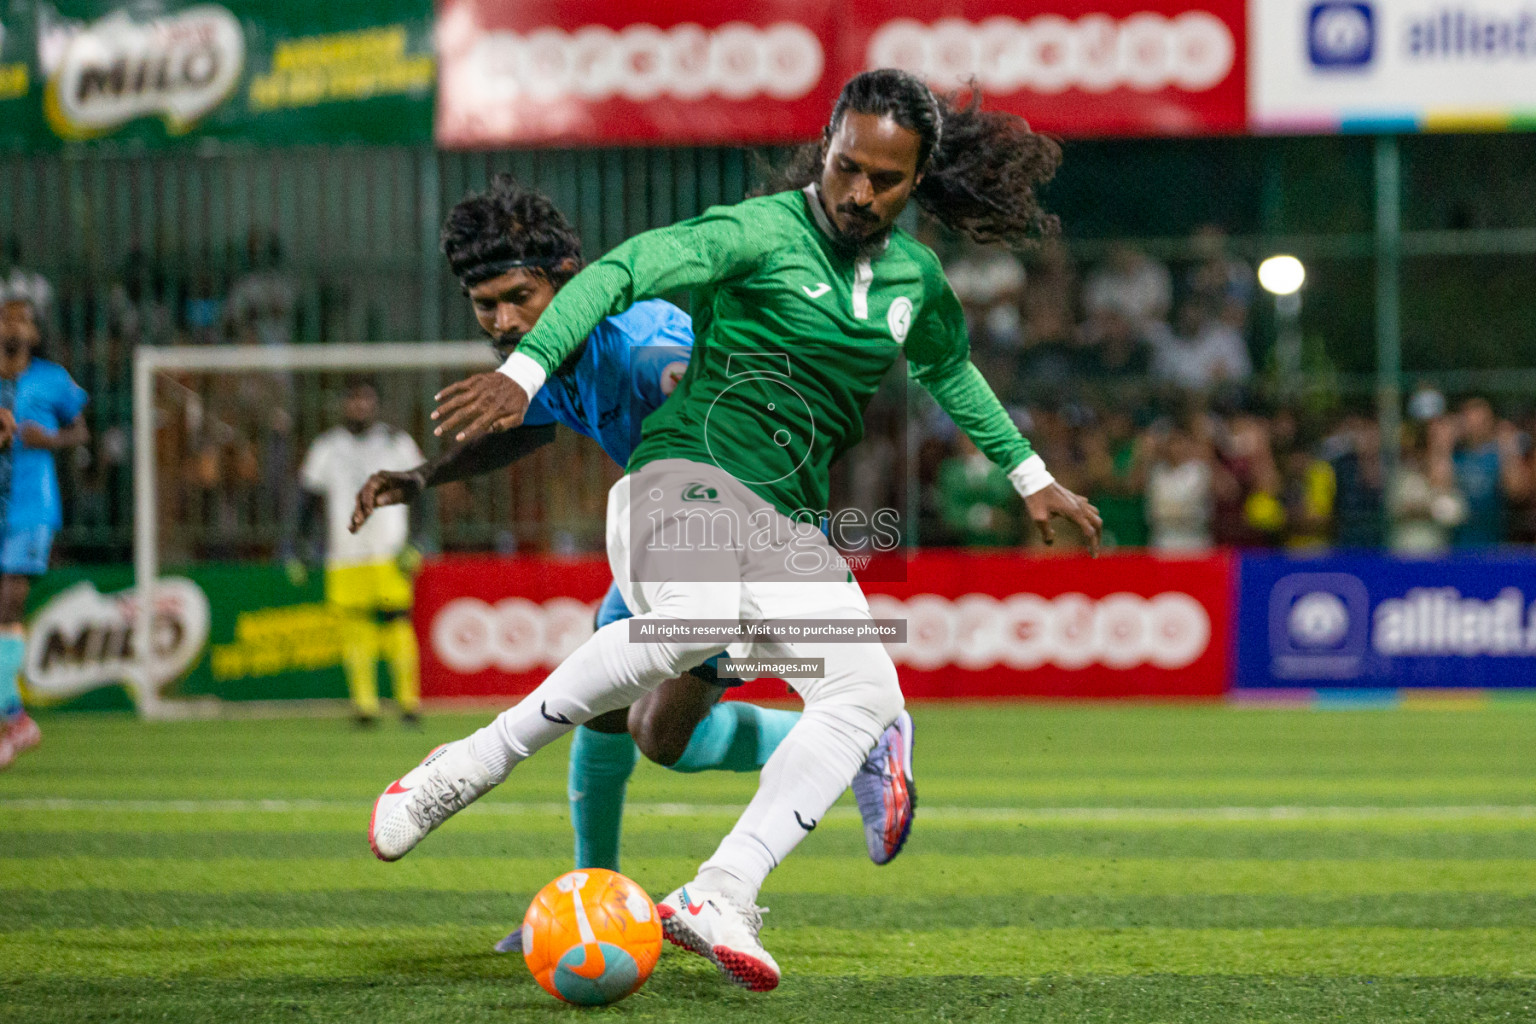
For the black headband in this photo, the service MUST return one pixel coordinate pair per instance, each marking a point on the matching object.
(483, 272)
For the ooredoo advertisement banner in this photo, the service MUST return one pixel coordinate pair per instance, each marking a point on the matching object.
(679, 71)
(1392, 65)
(654, 71)
(978, 625)
(1071, 67)
(1368, 622)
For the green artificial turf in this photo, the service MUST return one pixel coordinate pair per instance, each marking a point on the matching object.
(1070, 863)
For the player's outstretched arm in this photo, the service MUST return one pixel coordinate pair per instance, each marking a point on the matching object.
(458, 462)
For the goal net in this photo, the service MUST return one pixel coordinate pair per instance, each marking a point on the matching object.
(219, 436)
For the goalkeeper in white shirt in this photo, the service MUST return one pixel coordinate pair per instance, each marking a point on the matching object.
(368, 574)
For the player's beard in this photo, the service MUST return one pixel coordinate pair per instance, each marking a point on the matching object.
(506, 344)
(860, 245)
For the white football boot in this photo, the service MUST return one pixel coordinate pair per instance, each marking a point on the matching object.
(449, 780)
(723, 932)
(885, 792)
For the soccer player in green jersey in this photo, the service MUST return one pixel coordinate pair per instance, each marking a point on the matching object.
(802, 300)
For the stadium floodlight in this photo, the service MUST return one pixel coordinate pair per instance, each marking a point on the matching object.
(1282, 275)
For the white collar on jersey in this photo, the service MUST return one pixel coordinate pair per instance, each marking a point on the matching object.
(819, 215)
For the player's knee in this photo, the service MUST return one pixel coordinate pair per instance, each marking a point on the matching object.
(661, 738)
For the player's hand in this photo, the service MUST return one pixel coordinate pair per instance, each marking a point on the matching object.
(387, 487)
(35, 435)
(480, 405)
(1055, 500)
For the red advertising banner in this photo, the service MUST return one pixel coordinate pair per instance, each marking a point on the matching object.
(978, 625)
(652, 71)
(1070, 67)
(537, 72)
(1005, 625)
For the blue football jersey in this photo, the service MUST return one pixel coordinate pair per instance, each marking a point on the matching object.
(46, 395)
(628, 366)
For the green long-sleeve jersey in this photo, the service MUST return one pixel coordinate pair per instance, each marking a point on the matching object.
(792, 337)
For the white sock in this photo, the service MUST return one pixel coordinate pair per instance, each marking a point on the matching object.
(806, 774)
(603, 674)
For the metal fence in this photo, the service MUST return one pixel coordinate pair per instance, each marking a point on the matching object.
(295, 246)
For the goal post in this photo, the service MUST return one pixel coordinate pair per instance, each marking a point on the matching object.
(150, 362)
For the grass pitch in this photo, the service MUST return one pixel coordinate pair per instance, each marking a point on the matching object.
(1104, 863)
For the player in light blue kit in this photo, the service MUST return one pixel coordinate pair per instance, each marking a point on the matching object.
(512, 250)
(47, 412)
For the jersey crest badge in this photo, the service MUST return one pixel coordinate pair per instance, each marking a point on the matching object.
(899, 318)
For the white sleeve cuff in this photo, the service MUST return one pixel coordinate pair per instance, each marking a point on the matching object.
(1030, 476)
(528, 374)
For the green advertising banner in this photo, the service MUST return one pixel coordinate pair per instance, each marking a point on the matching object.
(280, 72)
(226, 632)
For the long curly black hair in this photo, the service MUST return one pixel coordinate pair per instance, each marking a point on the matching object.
(981, 168)
(509, 223)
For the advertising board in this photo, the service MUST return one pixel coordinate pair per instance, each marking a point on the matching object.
(276, 73)
(978, 625)
(1392, 65)
(225, 632)
(684, 71)
(1373, 622)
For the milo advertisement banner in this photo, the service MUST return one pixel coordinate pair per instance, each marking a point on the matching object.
(221, 632)
(279, 72)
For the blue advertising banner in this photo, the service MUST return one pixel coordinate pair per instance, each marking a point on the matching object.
(1363, 622)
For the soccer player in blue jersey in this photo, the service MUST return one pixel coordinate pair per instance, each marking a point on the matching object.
(512, 250)
(46, 406)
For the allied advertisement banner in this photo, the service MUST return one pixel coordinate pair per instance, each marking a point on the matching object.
(978, 625)
(1392, 65)
(653, 71)
(1369, 622)
(265, 73)
(1071, 67)
(221, 632)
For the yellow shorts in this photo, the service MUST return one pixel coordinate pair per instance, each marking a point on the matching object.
(369, 587)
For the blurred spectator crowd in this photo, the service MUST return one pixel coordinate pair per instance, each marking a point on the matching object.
(1132, 377)
(1135, 382)
(1209, 477)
